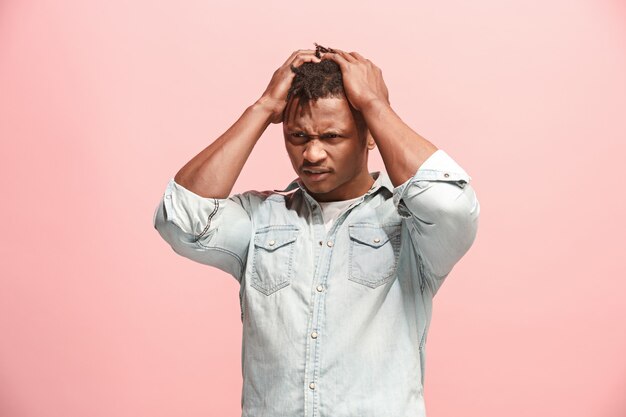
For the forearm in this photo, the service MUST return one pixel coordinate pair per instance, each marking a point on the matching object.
(213, 172)
(402, 149)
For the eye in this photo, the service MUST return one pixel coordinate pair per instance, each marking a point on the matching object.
(330, 136)
(298, 138)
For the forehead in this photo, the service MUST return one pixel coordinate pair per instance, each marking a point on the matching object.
(319, 114)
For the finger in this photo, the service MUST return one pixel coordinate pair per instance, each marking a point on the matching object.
(358, 56)
(295, 53)
(346, 56)
(339, 59)
(304, 57)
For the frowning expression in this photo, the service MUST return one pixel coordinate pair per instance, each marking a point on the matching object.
(328, 146)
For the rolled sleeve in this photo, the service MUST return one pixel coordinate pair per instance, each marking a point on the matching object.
(442, 210)
(210, 231)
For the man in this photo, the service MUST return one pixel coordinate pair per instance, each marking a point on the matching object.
(338, 271)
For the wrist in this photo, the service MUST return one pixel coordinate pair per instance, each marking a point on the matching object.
(269, 107)
(264, 108)
(375, 105)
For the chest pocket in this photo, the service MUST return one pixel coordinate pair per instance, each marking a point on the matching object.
(374, 252)
(272, 265)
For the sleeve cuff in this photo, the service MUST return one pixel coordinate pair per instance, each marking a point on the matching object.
(446, 168)
(438, 167)
(189, 211)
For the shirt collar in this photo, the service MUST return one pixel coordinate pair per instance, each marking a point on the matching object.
(381, 180)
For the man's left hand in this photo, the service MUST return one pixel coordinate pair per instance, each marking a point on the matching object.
(362, 80)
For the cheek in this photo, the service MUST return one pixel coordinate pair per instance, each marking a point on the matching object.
(294, 155)
(350, 153)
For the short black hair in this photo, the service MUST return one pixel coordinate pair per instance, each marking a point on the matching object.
(315, 80)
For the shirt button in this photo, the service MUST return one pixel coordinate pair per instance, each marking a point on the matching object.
(314, 335)
(330, 243)
(446, 175)
(272, 242)
(320, 288)
(376, 240)
(312, 385)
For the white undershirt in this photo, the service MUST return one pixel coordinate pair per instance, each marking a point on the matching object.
(332, 209)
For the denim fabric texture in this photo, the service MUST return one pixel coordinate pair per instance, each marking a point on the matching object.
(334, 324)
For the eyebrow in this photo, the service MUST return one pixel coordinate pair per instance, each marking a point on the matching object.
(330, 131)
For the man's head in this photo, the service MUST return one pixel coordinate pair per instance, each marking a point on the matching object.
(326, 138)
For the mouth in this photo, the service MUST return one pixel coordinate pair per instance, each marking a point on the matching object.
(316, 174)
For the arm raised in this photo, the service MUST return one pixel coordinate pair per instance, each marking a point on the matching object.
(213, 172)
(432, 191)
(401, 148)
(196, 216)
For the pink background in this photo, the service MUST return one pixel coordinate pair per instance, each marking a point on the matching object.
(102, 102)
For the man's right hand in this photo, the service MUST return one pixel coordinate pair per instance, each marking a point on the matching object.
(274, 99)
(212, 173)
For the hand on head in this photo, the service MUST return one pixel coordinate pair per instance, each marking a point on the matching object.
(362, 80)
(275, 95)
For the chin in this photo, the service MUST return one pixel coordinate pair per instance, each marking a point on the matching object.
(318, 188)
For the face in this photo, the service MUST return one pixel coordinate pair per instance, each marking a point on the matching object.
(328, 148)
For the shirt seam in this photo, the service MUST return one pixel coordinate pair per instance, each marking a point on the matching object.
(226, 251)
(206, 228)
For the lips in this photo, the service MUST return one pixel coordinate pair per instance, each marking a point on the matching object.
(316, 174)
(315, 171)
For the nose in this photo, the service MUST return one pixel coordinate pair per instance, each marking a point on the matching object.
(314, 151)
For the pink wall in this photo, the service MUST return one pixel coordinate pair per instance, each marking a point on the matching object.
(102, 102)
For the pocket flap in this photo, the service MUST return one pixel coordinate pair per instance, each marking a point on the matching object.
(274, 238)
(373, 235)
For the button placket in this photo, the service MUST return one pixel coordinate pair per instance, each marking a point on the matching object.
(312, 365)
(318, 301)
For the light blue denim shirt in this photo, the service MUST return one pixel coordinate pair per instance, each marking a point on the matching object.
(334, 324)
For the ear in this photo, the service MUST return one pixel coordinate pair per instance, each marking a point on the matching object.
(371, 143)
